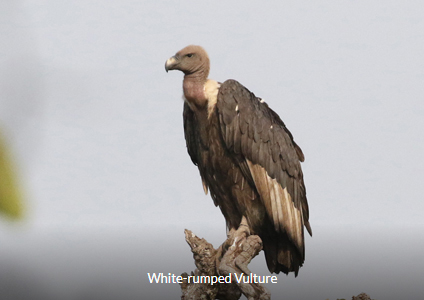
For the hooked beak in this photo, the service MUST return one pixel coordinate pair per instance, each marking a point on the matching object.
(171, 63)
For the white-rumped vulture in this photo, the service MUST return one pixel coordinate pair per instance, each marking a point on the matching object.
(247, 158)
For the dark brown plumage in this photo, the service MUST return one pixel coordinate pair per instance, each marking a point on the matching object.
(247, 159)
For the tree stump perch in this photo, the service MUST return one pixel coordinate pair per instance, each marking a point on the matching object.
(231, 258)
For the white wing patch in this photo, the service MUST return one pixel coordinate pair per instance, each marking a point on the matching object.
(205, 187)
(282, 212)
(210, 89)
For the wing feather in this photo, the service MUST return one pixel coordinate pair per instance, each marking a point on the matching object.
(237, 135)
(273, 158)
(191, 133)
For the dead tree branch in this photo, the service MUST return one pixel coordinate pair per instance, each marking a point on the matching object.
(228, 261)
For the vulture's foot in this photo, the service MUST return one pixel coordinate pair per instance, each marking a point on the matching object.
(234, 235)
(239, 249)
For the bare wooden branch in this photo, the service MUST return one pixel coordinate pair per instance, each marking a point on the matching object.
(228, 261)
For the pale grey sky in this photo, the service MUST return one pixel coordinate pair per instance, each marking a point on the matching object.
(96, 127)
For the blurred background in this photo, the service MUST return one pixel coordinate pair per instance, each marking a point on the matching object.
(93, 128)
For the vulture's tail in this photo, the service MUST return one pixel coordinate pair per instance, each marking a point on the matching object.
(281, 255)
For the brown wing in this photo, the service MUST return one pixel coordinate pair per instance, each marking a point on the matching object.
(190, 133)
(257, 136)
(193, 141)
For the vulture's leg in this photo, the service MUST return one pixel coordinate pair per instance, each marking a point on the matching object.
(233, 236)
(242, 233)
(237, 252)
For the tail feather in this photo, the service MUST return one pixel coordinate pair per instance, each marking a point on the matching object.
(281, 255)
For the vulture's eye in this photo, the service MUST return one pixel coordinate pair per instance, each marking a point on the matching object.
(189, 55)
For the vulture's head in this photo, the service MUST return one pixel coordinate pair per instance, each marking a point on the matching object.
(190, 60)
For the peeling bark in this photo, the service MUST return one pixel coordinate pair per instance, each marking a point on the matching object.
(232, 257)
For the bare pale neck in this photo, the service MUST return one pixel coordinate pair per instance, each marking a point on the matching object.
(193, 87)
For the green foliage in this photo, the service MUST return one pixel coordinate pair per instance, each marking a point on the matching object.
(11, 202)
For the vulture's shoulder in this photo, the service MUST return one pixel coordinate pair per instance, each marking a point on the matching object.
(239, 108)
